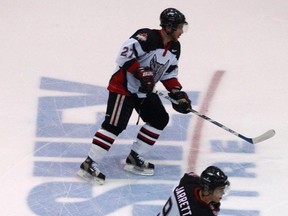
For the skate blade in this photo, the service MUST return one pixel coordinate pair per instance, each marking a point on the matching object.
(135, 170)
(88, 178)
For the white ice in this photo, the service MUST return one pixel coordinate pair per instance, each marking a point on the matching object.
(77, 41)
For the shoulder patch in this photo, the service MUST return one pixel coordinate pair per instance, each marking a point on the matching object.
(142, 36)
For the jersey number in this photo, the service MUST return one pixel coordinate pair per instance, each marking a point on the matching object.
(127, 52)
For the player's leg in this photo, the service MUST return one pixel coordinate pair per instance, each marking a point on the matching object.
(118, 112)
(151, 111)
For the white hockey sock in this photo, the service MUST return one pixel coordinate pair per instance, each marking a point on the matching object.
(146, 138)
(102, 142)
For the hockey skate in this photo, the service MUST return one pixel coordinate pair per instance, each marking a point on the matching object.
(136, 164)
(90, 173)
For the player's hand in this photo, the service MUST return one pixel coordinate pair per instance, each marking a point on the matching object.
(146, 78)
(215, 207)
(184, 103)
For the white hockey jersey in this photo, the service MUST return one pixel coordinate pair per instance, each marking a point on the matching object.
(145, 48)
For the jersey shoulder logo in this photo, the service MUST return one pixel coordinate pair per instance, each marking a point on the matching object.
(142, 36)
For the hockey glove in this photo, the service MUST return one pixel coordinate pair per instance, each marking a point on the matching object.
(184, 103)
(146, 78)
(215, 207)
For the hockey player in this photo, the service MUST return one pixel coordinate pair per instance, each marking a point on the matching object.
(147, 57)
(198, 196)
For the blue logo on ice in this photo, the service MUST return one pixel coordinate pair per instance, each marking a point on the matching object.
(68, 116)
(59, 150)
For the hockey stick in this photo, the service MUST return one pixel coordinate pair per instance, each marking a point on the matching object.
(268, 134)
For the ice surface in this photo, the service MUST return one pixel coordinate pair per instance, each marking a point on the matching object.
(56, 58)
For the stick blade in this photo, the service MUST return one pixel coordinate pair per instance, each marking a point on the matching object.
(267, 135)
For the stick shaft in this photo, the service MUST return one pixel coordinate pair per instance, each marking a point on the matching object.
(260, 138)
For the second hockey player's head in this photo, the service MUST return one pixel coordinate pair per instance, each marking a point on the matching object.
(214, 183)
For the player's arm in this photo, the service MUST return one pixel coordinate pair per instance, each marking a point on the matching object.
(133, 49)
(128, 57)
(183, 102)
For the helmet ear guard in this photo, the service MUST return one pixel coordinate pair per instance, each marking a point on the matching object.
(206, 188)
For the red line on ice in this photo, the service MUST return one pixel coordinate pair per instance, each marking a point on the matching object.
(196, 136)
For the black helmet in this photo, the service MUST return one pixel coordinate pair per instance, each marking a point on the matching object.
(213, 177)
(172, 17)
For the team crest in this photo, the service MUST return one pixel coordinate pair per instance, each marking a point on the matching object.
(158, 68)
